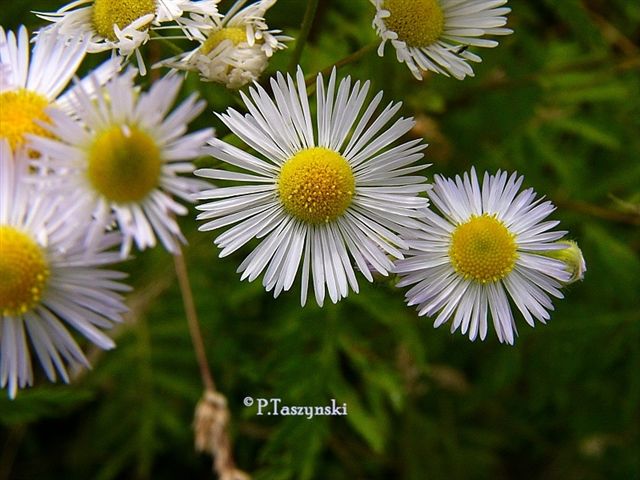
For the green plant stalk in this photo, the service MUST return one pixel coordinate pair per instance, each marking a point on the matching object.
(305, 28)
(168, 43)
(351, 58)
(192, 320)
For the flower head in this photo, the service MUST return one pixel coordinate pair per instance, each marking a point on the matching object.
(233, 49)
(30, 85)
(48, 282)
(435, 34)
(124, 156)
(489, 243)
(121, 26)
(319, 193)
(572, 257)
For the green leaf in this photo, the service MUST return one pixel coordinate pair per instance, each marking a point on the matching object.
(589, 132)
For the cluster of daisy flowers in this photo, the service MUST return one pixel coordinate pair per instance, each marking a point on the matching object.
(338, 196)
(327, 189)
(85, 173)
(231, 48)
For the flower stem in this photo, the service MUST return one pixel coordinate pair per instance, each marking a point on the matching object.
(305, 28)
(167, 42)
(212, 414)
(351, 58)
(192, 320)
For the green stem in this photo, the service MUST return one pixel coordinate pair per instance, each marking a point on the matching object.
(354, 57)
(172, 46)
(599, 212)
(307, 22)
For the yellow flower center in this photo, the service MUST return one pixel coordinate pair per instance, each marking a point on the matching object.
(107, 13)
(24, 272)
(418, 23)
(124, 164)
(19, 111)
(483, 249)
(235, 34)
(316, 185)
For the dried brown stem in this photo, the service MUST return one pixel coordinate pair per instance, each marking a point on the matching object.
(212, 435)
(212, 414)
(192, 320)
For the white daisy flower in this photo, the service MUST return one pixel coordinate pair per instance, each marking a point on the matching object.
(233, 49)
(121, 26)
(435, 34)
(321, 196)
(489, 244)
(29, 85)
(46, 284)
(124, 157)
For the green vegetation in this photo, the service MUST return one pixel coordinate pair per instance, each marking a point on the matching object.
(558, 102)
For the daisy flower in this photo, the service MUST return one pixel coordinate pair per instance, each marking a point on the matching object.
(233, 49)
(121, 26)
(490, 243)
(320, 195)
(435, 34)
(48, 285)
(124, 156)
(29, 85)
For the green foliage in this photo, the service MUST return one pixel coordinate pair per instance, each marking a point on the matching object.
(558, 102)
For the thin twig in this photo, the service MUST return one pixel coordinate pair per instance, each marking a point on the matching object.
(305, 28)
(613, 35)
(351, 58)
(599, 212)
(211, 422)
(167, 42)
(192, 320)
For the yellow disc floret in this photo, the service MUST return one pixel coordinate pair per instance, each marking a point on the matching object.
(483, 249)
(418, 23)
(20, 111)
(107, 13)
(24, 272)
(124, 164)
(235, 34)
(316, 185)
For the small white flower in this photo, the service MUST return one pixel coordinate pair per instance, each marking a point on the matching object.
(29, 85)
(489, 242)
(121, 26)
(321, 193)
(124, 156)
(233, 49)
(435, 34)
(46, 283)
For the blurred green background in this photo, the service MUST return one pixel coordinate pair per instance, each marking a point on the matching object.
(559, 102)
